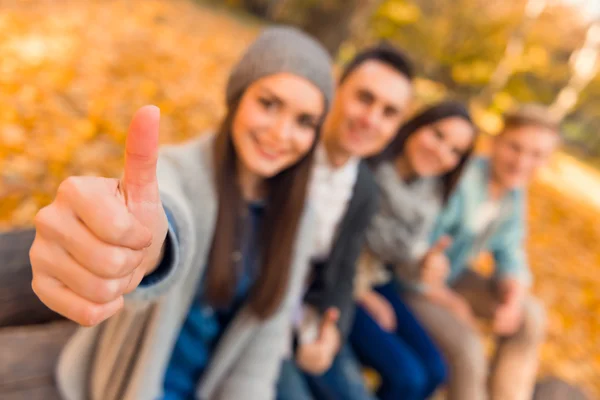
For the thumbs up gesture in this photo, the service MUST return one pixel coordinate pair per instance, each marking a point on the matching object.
(101, 236)
(317, 357)
(435, 266)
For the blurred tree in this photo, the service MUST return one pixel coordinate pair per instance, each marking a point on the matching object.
(491, 54)
(514, 49)
(331, 21)
(584, 64)
(494, 54)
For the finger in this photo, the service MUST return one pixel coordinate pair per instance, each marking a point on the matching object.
(332, 315)
(102, 259)
(95, 202)
(330, 319)
(65, 302)
(134, 281)
(49, 259)
(442, 244)
(141, 156)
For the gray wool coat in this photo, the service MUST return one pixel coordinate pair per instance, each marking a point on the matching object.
(125, 357)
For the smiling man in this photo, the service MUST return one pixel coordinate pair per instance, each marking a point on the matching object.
(371, 102)
(488, 213)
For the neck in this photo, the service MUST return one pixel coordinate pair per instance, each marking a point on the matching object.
(335, 153)
(251, 185)
(404, 169)
(496, 189)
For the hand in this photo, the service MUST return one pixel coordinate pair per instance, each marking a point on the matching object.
(316, 358)
(380, 309)
(435, 266)
(508, 317)
(101, 236)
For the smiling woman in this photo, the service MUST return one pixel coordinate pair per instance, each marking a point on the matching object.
(275, 123)
(185, 268)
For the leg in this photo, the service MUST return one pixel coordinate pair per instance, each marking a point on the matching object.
(460, 345)
(412, 332)
(291, 384)
(343, 380)
(479, 292)
(515, 363)
(401, 371)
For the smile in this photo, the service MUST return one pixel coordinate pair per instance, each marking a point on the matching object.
(264, 152)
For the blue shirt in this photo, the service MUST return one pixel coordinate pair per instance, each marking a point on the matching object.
(204, 325)
(505, 241)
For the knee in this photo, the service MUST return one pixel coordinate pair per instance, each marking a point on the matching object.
(467, 357)
(408, 381)
(534, 321)
(437, 372)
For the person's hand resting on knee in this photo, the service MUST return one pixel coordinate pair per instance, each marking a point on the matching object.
(380, 309)
(317, 356)
(435, 269)
(508, 317)
(435, 266)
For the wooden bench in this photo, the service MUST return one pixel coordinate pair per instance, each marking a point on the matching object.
(31, 335)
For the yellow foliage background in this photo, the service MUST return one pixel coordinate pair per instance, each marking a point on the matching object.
(73, 72)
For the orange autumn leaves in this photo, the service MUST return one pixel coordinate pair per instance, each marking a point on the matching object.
(73, 72)
(72, 75)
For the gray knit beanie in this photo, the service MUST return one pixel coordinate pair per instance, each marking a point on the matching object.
(282, 49)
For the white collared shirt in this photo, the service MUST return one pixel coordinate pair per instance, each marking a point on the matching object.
(331, 190)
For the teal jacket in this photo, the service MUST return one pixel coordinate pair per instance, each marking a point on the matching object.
(506, 238)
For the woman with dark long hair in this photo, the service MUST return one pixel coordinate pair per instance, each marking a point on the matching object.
(416, 175)
(187, 268)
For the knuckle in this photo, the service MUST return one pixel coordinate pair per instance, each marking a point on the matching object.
(38, 290)
(38, 256)
(44, 219)
(90, 315)
(34, 254)
(41, 216)
(35, 286)
(50, 223)
(117, 260)
(69, 187)
(119, 225)
(108, 290)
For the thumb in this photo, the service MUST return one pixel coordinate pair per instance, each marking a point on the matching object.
(331, 317)
(442, 244)
(141, 156)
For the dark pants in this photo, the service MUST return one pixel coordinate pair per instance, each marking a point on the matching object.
(410, 365)
(342, 381)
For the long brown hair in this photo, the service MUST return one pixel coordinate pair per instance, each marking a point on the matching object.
(285, 199)
(431, 115)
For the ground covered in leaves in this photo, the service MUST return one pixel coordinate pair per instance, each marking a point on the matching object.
(73, 72)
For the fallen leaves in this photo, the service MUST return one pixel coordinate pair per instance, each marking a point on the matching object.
(73, 73)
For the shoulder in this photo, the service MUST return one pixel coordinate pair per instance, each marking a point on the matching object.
(189, 162)
(476, 168)
(195, 152)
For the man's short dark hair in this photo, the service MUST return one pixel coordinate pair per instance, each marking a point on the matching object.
(384, 52)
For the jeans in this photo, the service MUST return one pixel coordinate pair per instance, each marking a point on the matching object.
(410, 365)
(343, 380)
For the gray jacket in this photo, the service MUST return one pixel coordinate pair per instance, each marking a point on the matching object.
(125, 357)
(399, 233)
